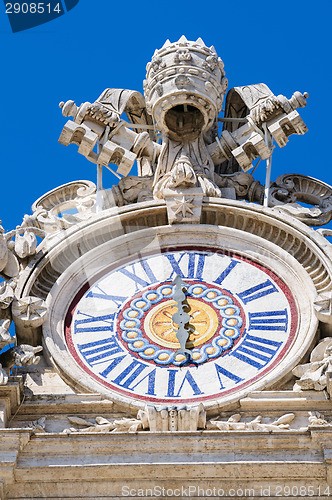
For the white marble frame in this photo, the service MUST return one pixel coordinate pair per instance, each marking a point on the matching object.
(114, 252)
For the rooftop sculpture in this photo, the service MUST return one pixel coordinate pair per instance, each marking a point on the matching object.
(173, 135)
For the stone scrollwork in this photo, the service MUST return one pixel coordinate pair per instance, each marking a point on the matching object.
(315, 375)
(290, 190)
(7, 289)
(49, 211)
(26, 244)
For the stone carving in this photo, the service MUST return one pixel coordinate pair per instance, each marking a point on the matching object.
(21, 355)
(289, 190)
(183, 95)
(29, 311)
(151, 418)
(6, 293)
(37, 426)
(3, 249)
(3, 376)
(25, 245)
(183, 208)
(325, 232)
(25, 355)
(240, 185)
(234, 424)
(102, 424)
(315, 375)
(316, 418)
(5, 337)
(323, 307)
(49, 211)
(176, 418)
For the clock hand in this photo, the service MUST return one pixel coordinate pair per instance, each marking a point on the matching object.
(181, 318)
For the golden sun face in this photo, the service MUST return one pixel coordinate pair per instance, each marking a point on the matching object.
(161, 329)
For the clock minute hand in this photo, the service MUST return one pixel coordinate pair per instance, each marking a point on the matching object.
(181, 318)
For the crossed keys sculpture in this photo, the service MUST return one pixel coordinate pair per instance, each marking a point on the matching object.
(172, 132)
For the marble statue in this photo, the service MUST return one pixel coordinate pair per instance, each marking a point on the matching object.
(173, 133)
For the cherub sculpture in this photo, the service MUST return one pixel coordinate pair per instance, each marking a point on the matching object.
(173, 130)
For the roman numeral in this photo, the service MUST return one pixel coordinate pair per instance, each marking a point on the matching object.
(269, 320)
(100, 350)
(225, 373)
(187, 378)
(89, 323)
(136, 269)
(98, 293)
(151, 382)
(130, 374)
(194, 270)
(257, 291)
(256, 351)
(226, 272)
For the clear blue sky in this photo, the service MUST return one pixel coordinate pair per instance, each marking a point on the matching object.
(102, 44)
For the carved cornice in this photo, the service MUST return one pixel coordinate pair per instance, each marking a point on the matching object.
(290, 190)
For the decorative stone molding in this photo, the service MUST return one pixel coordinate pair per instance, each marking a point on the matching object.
(323, 307)
(183, 208)
(288, 189)
(5, 337)
(234, 424)
(153, 419)
(184, 90)
(314, 375)
(7, 289)
(312, 251)
(19, 355)
(102, 424)
(29, 312)
(122, 249)
(176, 418)
(317, 419)
(49, 211)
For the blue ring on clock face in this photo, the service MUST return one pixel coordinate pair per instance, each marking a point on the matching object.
(138, 314)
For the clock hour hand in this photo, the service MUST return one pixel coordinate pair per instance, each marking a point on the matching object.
(181, 318)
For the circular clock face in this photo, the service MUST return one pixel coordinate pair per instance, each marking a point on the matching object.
(121, 331)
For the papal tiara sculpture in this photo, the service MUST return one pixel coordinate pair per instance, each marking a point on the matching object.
(172, 133)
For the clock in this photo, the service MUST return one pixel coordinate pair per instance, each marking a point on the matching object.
(248, 322)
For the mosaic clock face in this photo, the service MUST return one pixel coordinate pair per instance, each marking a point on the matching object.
(243, 320)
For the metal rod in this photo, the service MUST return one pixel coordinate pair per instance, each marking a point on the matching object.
(138, 125)
(99, 181)
(116, 175)
(268, 141)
